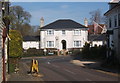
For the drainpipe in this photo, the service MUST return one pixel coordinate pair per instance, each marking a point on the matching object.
(5, 12)
(3, 54)
(3, 51)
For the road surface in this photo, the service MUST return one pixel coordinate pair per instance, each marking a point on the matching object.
(60, 69)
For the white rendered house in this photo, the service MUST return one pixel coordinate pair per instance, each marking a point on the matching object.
(31, 42)
(63, 34)
(113, 26)
(97, 40)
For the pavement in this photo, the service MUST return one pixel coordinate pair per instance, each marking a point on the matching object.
(83, 63)
(96, 65)
(22, 74)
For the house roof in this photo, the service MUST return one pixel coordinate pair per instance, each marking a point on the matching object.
(31, 38)
(117, 5)
(64, 24)
(98, 37)
(91, 29)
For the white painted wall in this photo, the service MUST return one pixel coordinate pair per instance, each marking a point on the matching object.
(111, 15)
(69, 37)
(98, 43)
(30, 44)
(115, 37)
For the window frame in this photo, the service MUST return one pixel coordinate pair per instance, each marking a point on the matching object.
(119, 19)
(77, 32)
(77, 43)
(50, 44)
(50, 32)
(115, 21)
(110, 22)
(64, 32)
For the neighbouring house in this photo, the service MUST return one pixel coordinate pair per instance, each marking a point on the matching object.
(31, 42)
(63, 34)
(100, 29)
(96, 33)
(97, 40)
(113, 26)
(95, 28)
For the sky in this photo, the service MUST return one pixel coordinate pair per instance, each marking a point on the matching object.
(58, 0)
(52, 11)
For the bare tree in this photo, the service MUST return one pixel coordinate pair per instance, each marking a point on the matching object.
(96, 16)
(36, 30)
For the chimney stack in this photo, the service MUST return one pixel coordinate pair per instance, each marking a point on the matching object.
(41, 22)
(86, 22)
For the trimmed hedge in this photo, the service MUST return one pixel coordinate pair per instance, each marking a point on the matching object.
(33, 52)
(15, 44)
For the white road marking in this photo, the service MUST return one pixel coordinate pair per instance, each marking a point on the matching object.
(69, 71)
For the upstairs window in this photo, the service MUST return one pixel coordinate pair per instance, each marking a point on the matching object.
(118, 19)
(110, 22)
(50, 32)
(77, 32)
(115, 21)
(63, 32)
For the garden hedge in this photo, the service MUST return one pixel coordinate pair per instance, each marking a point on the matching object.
(15, 44)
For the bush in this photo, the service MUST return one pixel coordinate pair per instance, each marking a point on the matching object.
(86, 51)
(15, 44)
(76, 53)
(94, 52)
(39, 52)
(33, 52)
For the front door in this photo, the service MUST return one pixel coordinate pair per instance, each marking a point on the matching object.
(64, 44)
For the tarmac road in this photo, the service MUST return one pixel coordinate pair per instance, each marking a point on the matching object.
(60, 69)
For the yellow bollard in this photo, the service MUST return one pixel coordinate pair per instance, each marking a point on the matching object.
(32, 66)
(34, 69)
(36, 66)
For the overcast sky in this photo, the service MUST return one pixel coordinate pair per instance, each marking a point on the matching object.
(52, 11)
